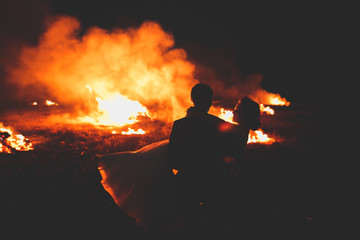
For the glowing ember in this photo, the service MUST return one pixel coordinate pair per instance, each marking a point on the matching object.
(277, 100)
(131, 131)
(227, 115)
(34, 104)
(259, 136)
(267, 109)
(118, 110)
(49, 103)
(266, 98)
(10, 141)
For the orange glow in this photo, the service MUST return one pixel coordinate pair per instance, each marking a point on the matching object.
(267, 98)
(267, 109)
(113, 77)
(277, 100)
(108, 77)
(49, 103)
(107, 187)
(132, 131)
(175, 171)
(13, 141)
(259, 136)
(118, 110)
(226, 115)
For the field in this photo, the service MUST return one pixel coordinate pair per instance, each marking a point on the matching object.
(288, 189)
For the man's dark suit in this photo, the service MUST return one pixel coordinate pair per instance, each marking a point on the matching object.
(196, 147)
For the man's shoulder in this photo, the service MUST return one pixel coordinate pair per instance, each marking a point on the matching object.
(184, 122)
(208, 117)
(215, 118)
(181, 120)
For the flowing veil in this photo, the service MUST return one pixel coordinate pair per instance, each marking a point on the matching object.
(141, 183)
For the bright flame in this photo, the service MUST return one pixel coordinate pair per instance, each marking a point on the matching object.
(259, 136)
(277, 100)
(90, 74)
(9, 141)
(267, 98)
(267, 109)
(131, 131)
(50, 103)
(113, 77)
(118, 110)
(226, 115)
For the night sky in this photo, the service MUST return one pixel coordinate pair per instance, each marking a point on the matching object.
(297, 47)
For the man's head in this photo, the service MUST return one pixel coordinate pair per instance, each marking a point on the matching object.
(202, 96)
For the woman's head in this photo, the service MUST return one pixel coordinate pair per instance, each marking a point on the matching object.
(247, 112)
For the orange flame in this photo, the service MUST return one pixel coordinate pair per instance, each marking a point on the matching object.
(267, 109)
(50, 103)
(13, 141)
(277, 100)
(226, 115)
(267, 98)
(108, 77)
(257, 136)
(113, 77)
(131, 131)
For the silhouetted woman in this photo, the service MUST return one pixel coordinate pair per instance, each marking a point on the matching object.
(247, 116)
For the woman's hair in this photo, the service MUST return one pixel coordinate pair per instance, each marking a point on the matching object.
(248, 112)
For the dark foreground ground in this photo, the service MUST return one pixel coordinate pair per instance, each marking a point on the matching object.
(297, 188)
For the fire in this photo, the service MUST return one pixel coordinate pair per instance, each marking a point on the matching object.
(10, 141)
(259, 136)
(107, 77)
(226, 115)
(277, 100)
(112, 77)
(267, 98)
(131, 131)
(267, 109)
(118, 110)
(50, 103)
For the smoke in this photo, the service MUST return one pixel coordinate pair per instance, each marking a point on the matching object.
(20, 22)
(230, 85)
(82, 72)
(78, 71)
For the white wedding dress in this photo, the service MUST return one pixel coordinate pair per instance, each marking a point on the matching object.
(141, 184)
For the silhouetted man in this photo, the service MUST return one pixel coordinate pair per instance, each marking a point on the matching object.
(196, 149)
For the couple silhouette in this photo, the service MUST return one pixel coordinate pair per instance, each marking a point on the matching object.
(202, 150)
